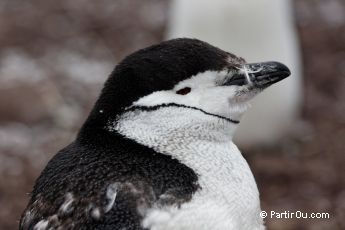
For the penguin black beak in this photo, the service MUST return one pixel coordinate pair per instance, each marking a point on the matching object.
(260, 75)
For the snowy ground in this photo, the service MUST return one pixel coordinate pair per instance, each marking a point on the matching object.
(55, 56)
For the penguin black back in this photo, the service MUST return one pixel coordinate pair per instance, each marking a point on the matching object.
(73, 190)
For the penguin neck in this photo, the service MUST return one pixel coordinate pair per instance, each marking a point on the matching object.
(200, 141)
(186, 134)
(172, 125)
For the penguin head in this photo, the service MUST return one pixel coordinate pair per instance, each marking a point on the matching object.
(188, 73)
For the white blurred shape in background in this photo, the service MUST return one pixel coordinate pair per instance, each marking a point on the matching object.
(257, 31)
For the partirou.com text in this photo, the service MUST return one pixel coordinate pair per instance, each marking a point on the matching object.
(295, 214)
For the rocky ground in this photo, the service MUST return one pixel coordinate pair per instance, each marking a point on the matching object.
(54, 57)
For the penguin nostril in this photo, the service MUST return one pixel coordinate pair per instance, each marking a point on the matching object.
(184, 91)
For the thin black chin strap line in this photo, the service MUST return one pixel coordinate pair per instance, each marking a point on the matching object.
(152, 108)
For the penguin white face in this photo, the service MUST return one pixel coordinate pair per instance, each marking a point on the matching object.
(225, 93)
(203, 91)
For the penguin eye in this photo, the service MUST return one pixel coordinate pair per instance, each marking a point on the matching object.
(183, 91)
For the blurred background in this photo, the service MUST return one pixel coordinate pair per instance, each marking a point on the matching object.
(55, 56)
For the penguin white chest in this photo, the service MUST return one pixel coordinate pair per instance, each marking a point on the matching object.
(228, 197)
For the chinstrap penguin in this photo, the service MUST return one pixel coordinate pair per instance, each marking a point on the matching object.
(156, 151)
